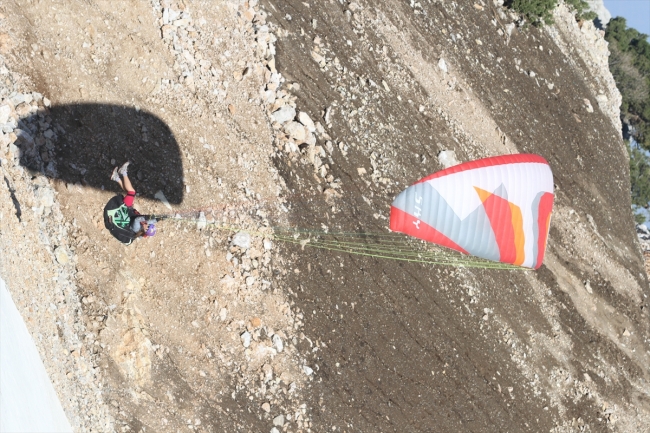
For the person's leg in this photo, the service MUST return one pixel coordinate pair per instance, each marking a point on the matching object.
(130, 192)
(127, 184)
(115, 177)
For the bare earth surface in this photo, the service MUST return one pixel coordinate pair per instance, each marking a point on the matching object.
(312, 115)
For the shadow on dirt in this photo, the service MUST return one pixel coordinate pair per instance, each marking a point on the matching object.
(81, 143)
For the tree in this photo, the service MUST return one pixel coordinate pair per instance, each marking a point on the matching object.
(629, 63)
(539, 12)
(640, 179)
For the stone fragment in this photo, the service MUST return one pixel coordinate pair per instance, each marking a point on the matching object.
(242, 240)
(246, 338)
(588, 106)
(447, 158)
(160, 196)
(256, 322)
(45, 196)
(184, 22)
(277, 343)
(306, 121)
(310, 139)
(266, 407)
(201, 222)
(17, 99)
(442, 65)
(284, 114)
(61, 255)
(296, 131)
(308, 370)
(248, 14)
(5, 111)
(278, 421)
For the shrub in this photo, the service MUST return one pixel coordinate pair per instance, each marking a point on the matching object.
(537, 12)
(629, 63)
(639, 177)
(581, 7)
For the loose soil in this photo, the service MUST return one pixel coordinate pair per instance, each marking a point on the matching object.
(388, 346)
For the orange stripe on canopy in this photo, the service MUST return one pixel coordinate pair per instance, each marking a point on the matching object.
(500, 214)
(518, 229)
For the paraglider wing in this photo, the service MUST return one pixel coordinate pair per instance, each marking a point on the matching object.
(497, 208)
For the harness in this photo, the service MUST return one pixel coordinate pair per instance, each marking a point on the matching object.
(117, 219)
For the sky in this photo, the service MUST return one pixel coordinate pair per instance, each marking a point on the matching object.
(636, 12)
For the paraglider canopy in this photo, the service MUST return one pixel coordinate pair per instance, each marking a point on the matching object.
(497, 208)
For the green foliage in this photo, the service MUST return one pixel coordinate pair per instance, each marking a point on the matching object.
(639, 177)
(537, 12)
(629, 63)
(639, 218)
(581, 7)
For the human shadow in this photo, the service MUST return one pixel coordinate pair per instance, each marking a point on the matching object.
(81, 143)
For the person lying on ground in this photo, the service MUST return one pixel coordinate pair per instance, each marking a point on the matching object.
(121, 219)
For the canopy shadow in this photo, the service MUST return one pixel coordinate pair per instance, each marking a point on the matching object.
(83, 142)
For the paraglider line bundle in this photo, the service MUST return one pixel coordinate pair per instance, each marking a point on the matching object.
(392, 246)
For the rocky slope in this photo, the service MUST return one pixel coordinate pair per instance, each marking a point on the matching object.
(295, 114)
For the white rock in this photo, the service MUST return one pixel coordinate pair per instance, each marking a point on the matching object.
(588, 106)
(223, 313)
(250, 281)
(61, 255)
(447, 158)
(277, 343)
(266, 407)
(306, 121)
(160, 196)
(296, 131)
(284, 114)
(310, 139)
(242, 240)
(45, 196)
(268, 244)
(5, 111)
(278, 421)
(246, 338)
(275, 430)
(308, 371)
(17, 99)
(201, 221)
(23, 136)
(442, 65)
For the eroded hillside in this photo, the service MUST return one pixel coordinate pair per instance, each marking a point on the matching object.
(313, 115)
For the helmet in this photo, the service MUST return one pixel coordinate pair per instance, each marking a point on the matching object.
(151, 230)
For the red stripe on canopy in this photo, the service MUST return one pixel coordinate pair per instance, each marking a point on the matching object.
(486, 162)
(403, 222)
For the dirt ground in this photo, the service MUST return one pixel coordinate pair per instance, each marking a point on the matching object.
(190, 332)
